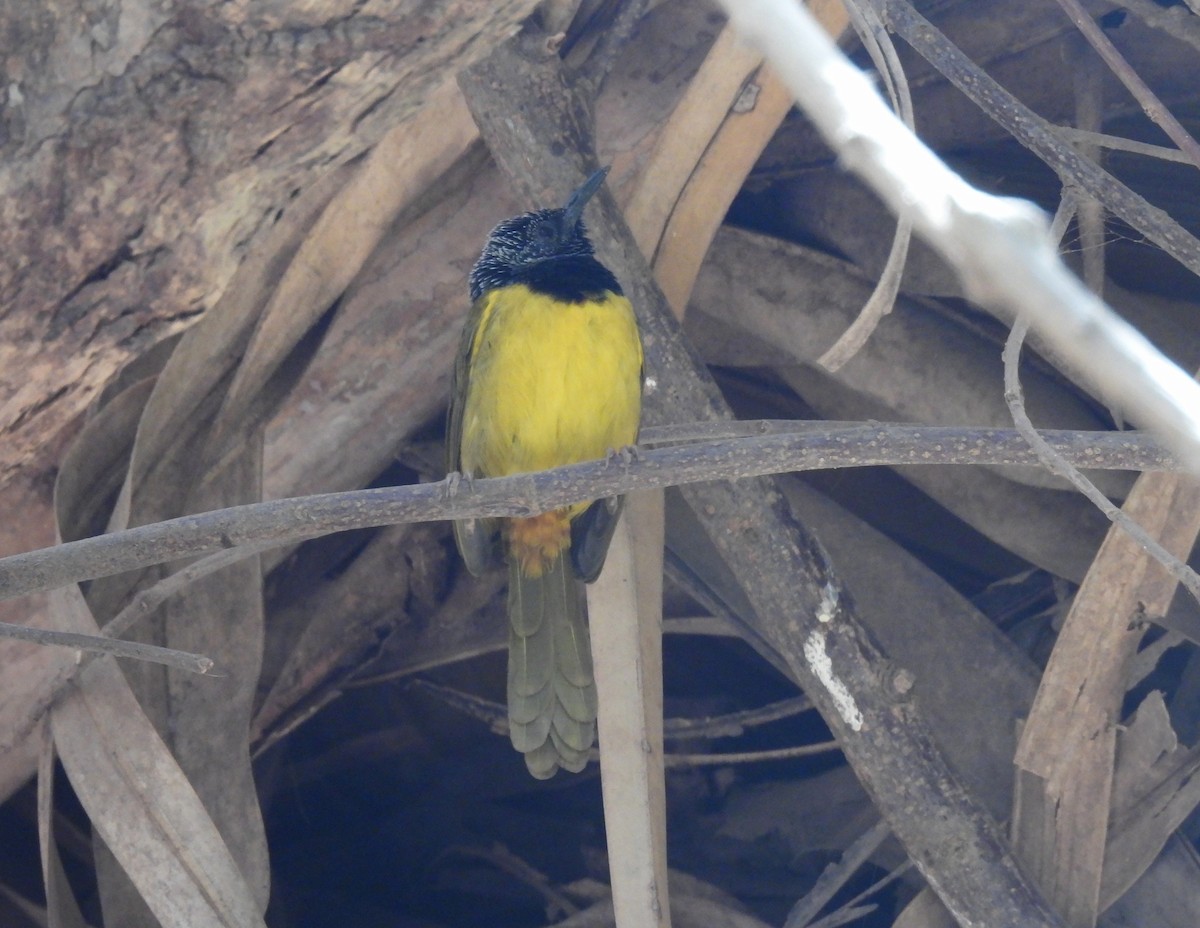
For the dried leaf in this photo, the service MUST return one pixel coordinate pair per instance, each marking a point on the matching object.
(1154, 790)
(62, 911)
(139, 800)
(1066, 752)
(399, 169)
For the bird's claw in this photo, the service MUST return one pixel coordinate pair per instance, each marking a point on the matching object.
(625, 455)
(454, 482)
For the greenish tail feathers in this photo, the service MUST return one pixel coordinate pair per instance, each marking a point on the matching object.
(551, 689)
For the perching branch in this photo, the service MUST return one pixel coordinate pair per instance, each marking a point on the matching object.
(286, 521)
(999, 246)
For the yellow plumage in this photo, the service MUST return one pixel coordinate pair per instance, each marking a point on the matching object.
(562, 385)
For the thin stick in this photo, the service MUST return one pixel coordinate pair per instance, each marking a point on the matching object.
(96, 644)
(1151, 105)
(735, 723)
(1057, 464)
(836, 875)
(280, 522)
(749, 757)
(1116, 143)
(830, 921)
(879, 45)
(141, 605)
(1087, 77)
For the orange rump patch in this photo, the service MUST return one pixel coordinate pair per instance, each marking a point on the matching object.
(536, 542)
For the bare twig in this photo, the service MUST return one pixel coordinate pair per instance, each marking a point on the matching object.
(96, 644)
(1089, 106)
(844, 916)
(836, 875)
(879, 46)
(280, 522)
(735, 723)
(502, 858)
(1060, 466)
(1151, 105)
(488, 711)
(142, 604)
(1116, 143)
(749, 757)
(493, 715)
(853, 907)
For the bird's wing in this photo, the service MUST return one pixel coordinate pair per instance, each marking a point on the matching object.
(477, 539)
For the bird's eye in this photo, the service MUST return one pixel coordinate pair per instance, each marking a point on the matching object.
(544, 231)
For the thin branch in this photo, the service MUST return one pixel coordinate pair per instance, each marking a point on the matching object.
(1087, 76)
(830, 920)
(749, 757)
(735, 723)
(96, 644)
(998, 245)
(1116, 143)
(1057, 464)
(879, 46)
(521, 870)
(494, 716)
(844, 916)
(141, 605)
(144, 602)
(1151, 105)
(285, 521)
(836, 875)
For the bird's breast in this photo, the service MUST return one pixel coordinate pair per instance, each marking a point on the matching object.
(550, 382)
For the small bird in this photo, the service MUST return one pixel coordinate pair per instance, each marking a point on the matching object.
(549, 372)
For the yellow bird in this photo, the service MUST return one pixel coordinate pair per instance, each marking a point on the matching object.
(549, 372)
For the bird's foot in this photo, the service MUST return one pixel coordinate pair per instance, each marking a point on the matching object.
(625, 455)
(454, 482)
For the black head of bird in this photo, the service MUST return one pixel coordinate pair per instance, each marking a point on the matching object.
(518, 249)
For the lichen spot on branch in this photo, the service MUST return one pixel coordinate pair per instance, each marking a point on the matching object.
(822, 666)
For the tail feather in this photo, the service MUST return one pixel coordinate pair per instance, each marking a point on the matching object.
(551, 690)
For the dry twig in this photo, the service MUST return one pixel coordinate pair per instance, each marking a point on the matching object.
(280, 522)
(1151, 105)
(879, 46)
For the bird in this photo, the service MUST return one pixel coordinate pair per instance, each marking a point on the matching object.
(549, 372)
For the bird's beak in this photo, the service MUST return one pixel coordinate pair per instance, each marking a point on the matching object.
(573, 211)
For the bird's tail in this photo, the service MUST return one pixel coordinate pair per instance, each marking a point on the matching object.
(551, 689)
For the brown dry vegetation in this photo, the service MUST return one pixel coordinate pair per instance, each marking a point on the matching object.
(235, 239)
